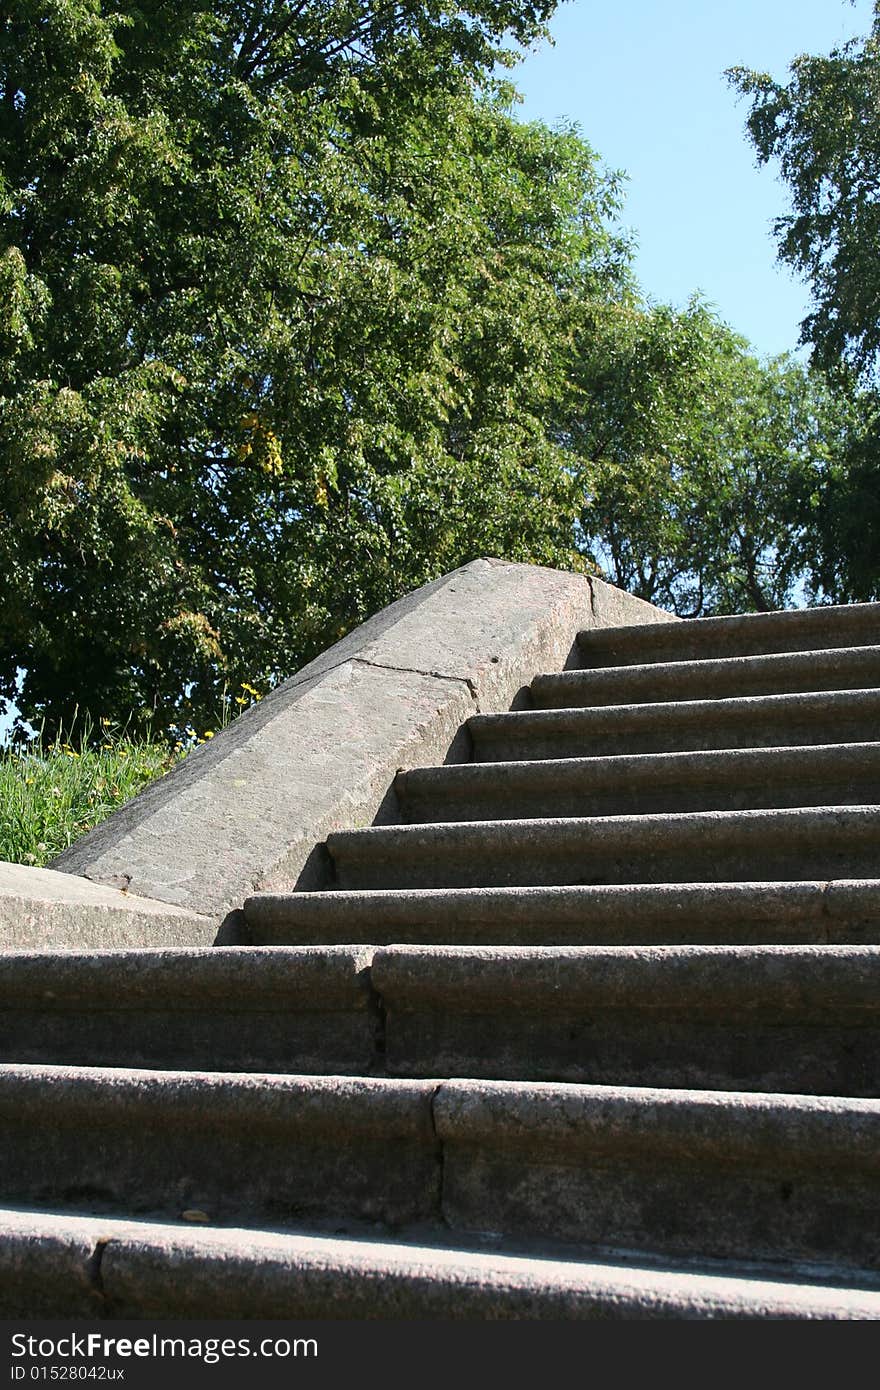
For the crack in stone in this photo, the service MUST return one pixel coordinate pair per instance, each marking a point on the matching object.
(379, 1013)
(416, 671)
(93, 1266)
(441, 1157)
(593, 613)
(826, 911)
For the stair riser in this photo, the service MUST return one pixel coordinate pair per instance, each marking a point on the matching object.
(585, 737)
(251, 1159)
(602, 1048)
(298, 1041)
(675, 1208)
(215, 1009)
(786, 865)
(285, 1293)
(592, 856)
(784, 914)
(151, 1270)
(733, 1176)
(247, 1178)
(795, 630)
(497, 803)
(662, 1171)
(650, 685)
(649, 930)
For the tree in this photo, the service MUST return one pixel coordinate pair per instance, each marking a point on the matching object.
(823, 128)
(703, 467)
(295, 315)
(284, 304)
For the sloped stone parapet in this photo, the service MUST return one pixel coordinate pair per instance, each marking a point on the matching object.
(245, 812)
(46, 909)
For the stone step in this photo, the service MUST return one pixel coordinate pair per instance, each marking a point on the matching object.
(831, 841)
(846, 668)
(840, 912)
(840, 774)
(757, 721)
(300, 1009)
(60, 1265)
(728, 1174)
(253, 1148)
(721, 1174)
(63, 1265)
(759, 1017)
(749, 634)
(750, 1018)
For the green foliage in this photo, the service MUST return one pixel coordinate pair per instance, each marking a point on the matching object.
(842, 513)
(57, 789)
(703, 467)
(285, 294)
(823, 129)
(295, 315)
(52, 790)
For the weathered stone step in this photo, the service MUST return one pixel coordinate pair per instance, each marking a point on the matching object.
(748, 634)
(255, 1148)
(61, 1265)
(299, 1009)
(841, 912)
(757, 721)
(767, 1018)
(719, 1174)
(846, 668)
(757, 1018)
(723, 846)
(727, 1174)
(729, 780)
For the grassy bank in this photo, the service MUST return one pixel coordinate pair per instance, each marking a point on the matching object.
(53, 792)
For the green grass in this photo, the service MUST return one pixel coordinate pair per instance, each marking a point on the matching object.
(51, 793)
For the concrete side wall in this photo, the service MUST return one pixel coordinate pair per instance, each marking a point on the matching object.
(249, 811)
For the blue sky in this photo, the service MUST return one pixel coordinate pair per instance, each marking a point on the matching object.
(644, 80)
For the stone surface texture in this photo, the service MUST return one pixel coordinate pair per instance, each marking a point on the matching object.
(46, 909)
(591, 1032)
(81, 1266)
(246, 811)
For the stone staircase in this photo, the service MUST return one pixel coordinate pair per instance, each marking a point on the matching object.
(595, 1032)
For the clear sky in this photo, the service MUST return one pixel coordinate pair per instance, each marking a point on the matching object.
(644, 79)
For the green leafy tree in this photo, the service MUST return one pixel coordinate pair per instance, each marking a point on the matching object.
(295, 315)
(284, 301)
(703, 467)
(822, 127)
